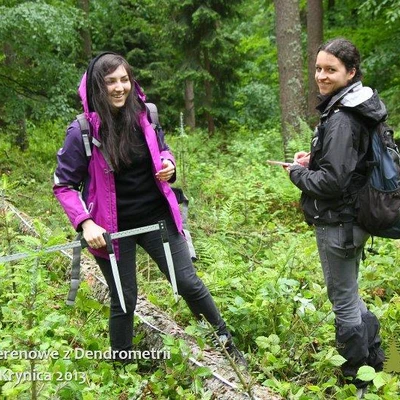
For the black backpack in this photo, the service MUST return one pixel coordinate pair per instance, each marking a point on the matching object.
(378, 201)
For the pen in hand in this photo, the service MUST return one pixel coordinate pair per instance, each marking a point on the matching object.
(302, 158)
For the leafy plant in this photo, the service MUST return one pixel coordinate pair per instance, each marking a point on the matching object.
(255, 253)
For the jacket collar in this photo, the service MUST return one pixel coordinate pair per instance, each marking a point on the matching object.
(329, 102)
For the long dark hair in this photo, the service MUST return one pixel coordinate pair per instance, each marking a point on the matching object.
(119, 131)
(347, 53)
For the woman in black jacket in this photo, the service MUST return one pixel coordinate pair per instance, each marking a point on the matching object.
(329, 178)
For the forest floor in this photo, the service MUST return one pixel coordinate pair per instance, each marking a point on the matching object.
(227, 381)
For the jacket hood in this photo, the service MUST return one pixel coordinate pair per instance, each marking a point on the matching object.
(360, 99)
(92, 117)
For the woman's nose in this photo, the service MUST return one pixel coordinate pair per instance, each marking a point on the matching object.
(118, 86)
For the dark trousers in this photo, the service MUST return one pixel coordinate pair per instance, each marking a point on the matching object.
(190, 286)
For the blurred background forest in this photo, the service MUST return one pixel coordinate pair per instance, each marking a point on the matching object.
(233, 82)
(206, 64)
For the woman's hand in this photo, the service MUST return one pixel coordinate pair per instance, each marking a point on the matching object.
(302, 158)
(93, 234)
(167, 171)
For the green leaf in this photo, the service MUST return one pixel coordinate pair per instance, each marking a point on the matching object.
(366, 373)
(372, 396)
(337, 360)
(379, 380)
(274, 339)
(203, 371)
(262, 342)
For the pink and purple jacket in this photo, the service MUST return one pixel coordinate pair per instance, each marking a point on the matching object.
(98, 200)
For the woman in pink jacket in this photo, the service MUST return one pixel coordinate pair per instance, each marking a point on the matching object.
(126, 186)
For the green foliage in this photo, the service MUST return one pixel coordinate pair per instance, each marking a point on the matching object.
(232, 46)
(33, 172)
(388, 8)
(261, 263)
(256, 98)
(37, 71)
(377, 43)
(50, 350)
(256, 255)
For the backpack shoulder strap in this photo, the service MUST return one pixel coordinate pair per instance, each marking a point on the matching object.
(152, 113)
(85, 130)
(75, 273)
(76, 257)
(89, 141)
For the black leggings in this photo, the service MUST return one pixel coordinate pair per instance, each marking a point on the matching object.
(190, 286)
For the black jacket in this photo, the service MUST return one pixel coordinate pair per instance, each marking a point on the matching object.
(339, 148)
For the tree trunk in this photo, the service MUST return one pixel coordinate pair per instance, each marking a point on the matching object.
(86, 50)
(208, 94)
(290, 64)
(18, 126)
(314, 39)
(190, 118)
(21, 139)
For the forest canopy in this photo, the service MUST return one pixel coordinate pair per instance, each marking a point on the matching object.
(212, 63)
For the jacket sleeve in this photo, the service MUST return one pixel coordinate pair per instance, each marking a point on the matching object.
(70, 173)
(337, 161)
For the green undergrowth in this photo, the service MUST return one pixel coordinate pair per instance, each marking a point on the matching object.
(255, 254)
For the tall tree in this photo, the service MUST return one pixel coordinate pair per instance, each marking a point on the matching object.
(256, 96)
(290, 64)
(314, 39)
(86, 37)
(137, 31)
(190, 115)
(197, 29)
(38, 73)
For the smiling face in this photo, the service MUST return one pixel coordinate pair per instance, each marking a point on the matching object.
(331, 74)
(118, 87)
